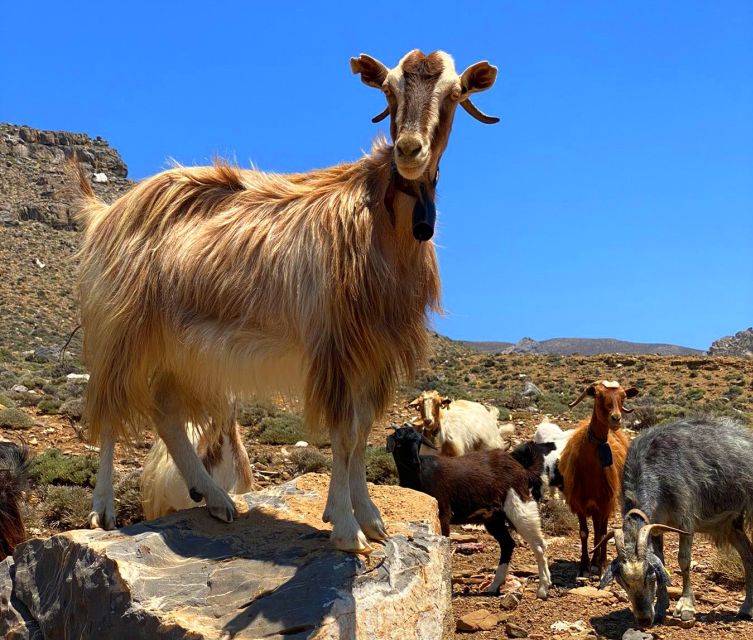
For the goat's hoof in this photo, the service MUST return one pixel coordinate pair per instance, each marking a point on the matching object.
(374, 529)
(221, 507)
(352, 542)
(543, 592)
(101, 521)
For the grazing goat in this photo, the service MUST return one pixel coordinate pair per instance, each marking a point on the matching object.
(488, 487)
(591, 466)
(14, 460)
(202, 284)
(548, 432)
(457, 427)
(220, 449)
(692, 476)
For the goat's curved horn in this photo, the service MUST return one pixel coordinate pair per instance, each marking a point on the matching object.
(645, 532)
(626, 410)
(582, 395)
(382, 115)
(619, 541)
(473, 110)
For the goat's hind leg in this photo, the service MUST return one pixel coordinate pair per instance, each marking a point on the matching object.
(170, 422)
(685, 607)
(102, 515)
(744, 547)
(365, 511)
(497, 527)
(524, 516)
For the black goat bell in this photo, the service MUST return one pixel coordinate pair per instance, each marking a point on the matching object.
(604, 452)
(424, 216)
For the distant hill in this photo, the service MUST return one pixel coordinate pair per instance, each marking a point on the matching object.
(581, 346)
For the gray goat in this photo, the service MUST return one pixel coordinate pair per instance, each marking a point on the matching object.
(691, 476)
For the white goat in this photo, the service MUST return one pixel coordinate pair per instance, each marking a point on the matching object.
(457, 427)
(163, 489)
(550, 432)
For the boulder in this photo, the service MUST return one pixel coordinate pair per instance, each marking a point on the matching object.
(273, 573)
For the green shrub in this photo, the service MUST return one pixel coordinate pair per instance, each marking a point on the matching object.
(128, 499)
(6, 401)
(309, 460)
(13, 418)
(282, 429)
(551, 403)
(66, 507)
(48, 405)
(380, 466)
(252, 413)
(54, 467)
(72, 408)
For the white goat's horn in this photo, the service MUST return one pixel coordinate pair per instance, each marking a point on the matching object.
(619, 541)
(472, 109)
(382, 115)
(645, 532)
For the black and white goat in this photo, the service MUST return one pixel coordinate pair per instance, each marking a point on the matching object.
(484, 487)
(691, 476)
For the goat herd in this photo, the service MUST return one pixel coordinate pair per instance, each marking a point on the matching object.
(690, 476)
(204, 284)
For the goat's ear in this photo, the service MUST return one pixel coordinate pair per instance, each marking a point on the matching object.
(663, 577)
(445, 403)
(373, 72)
(609, 575)
(478, 77)
(413, 404)
(631, 392)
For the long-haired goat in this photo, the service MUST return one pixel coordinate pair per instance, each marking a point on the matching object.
(692, 476)
(457, 427)
(14, 460)
(488, 487)
(223, 455)
(205, 283)
(591, 466)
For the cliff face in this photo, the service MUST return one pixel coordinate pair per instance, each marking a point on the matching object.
(739, 345)
(34, 179)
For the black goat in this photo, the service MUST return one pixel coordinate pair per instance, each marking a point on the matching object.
(485, 487)
(13, 463)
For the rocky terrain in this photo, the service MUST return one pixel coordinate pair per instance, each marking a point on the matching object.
(740, 345)
(41, 388)
(583, 347)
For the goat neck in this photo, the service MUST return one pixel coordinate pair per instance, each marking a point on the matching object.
(409, 473)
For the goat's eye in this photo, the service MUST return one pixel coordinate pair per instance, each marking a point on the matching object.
(455, 95)
(387, 91)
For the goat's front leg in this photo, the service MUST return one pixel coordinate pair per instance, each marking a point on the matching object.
(366, 512)
(583, 571)
(662, 595)
(102, 515)
(346, 533)
(743, 545)
(498, 529)
(685, 608)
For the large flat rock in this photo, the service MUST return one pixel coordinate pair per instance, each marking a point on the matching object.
(271, 574)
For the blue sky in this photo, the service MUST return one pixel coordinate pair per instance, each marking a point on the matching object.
(614, 199)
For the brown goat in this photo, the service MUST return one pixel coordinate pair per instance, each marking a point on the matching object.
(591, 466)
(202, 284)
(13, 463)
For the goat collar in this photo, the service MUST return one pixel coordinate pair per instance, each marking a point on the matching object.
(639, 513)
(424, 210)
(594, 438)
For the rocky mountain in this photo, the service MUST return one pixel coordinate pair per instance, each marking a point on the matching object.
(740, 345)
(35, 183)
(581, 346)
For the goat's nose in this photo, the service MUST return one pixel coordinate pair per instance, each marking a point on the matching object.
(644, 622)
(427, 422)
(616, 418)
(409, 147)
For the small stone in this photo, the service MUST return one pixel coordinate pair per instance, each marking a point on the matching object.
(510, 601)
(33, 441)
(634, 634)
(78, 377)
(479, 620)
(19, 388)
(530, 390)
(563, 626)
(592, 593)
(469, 548)
(100, 178)
(526, 570)
(679, 622)
(462, 538)
(514, 631)
(301, 443)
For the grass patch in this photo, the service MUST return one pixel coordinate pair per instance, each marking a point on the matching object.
(380, 466)
(66, 507)
(727, 561)
(48, 406)
(13, 418)
(56, 468)
(282, 429)
(6, 401)
(309, 460)
(551, 403)
(557, 519)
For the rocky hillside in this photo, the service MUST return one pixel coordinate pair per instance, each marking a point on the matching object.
(582, 346)
(34, 180)
(740, 345)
